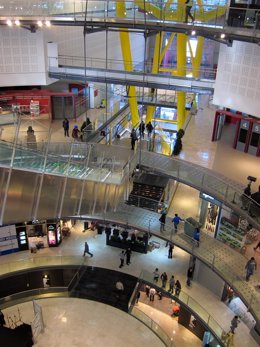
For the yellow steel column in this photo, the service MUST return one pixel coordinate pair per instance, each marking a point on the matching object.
(181, 71)
(181, 66)
(127, 57)
(197, 58)
(155, 68)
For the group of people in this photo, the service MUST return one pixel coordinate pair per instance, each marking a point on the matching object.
(76, 132)
(142, 126)
(175, 220)
(125, 256)
(173, 285)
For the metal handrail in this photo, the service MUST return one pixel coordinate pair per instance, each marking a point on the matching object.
(185, 299)
(152, 325)
(215, 15)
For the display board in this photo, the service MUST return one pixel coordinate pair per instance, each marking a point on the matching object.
(8, 240)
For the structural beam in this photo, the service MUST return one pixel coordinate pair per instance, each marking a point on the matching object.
(127, 57)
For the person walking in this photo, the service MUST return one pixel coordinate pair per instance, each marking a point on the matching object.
(196, 236)
(189, 275)
(119, 289)
(122, 259)
(152, 294)
(66, 125)
(176, 221)
(171, 246)
(133, 138)
(177, 288)
(250, 268)
(164, 279)
(189, 4)
(141, 129)
(75, 132)
(156, 275)
(128, 253)
(86, 250)
(171, 284)
(234, 324)
(162, 220)
(149, 129)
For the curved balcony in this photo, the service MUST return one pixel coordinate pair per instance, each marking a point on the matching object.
(38, 200)
(183, 298)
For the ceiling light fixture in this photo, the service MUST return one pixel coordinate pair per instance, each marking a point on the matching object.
(17, 22)
(222, 36)
(9, 23)
(193, 33)
(39, 23)
(47, 23)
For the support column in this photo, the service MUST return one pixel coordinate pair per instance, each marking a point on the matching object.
(155, 68)
(127, 57)
(91, 95)
(181, 71)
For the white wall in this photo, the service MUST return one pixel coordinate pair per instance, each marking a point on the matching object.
(22, 58)
(209, 279)
(238, 78)
(23, 55)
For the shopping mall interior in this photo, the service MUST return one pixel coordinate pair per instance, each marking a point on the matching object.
(130, 173)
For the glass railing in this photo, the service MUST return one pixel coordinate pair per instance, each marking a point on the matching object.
(211, 251)
(28, 295)
(77, 159)
(190, 303)
(151, 324)
(39, 261)
(205, 180)
(139, 10)
(68, 61)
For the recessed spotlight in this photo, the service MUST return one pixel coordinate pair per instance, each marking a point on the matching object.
(193, 33)
(9, 23)
(39, 23)
(17, 22)
(222, 36)
(47, 23)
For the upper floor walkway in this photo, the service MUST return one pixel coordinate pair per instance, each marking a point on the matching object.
(238, 23)
(111, 165)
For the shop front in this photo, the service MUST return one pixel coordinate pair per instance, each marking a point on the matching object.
(235, 231)
(54, 235)
(210, 210)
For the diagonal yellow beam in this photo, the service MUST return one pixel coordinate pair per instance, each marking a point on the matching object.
(128, 65)
(166, 47)
(197, 58)
(190, 49)
(155, 69)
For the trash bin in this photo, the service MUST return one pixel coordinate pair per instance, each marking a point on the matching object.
(190, 225)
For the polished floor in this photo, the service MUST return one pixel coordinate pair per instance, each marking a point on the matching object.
(73, 322)
(108, 257)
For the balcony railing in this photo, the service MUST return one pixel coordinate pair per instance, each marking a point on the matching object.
(139, 10)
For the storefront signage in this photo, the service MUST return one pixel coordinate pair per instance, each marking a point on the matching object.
(210, 199)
